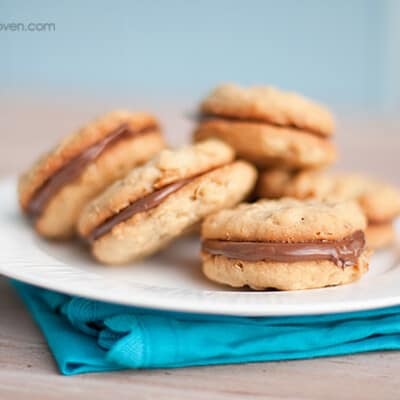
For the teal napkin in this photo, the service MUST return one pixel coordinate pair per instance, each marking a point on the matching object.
(91, 336)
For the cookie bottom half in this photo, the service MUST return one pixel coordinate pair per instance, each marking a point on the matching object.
(268, 145)
(262, 275)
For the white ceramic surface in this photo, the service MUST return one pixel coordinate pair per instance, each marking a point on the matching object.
(172, 280)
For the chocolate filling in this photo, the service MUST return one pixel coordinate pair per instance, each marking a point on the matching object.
(74, 167)
(145, 203)
(382, 222)
(344, 252)
(207, 117)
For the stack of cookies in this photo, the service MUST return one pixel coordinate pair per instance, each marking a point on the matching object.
(268, 127)
(288, 138)
(114, 184)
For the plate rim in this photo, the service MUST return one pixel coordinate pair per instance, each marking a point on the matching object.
(281, 310)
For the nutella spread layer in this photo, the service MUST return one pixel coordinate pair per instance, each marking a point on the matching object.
(377, 222)
(344, 252)
(74, 167)
(145, 203)
(209, 117)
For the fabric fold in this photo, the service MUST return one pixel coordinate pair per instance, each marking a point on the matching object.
(91, 336)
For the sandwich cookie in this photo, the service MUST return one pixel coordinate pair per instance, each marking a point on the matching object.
(163, 199)
(54, 191)
(268, 127)
(379, 201)
(285, 244)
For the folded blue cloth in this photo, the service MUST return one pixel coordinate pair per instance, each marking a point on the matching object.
(91, 336)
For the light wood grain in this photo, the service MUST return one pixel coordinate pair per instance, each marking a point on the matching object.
(27, 369)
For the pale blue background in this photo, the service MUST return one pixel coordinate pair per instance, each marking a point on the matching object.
(345, 53)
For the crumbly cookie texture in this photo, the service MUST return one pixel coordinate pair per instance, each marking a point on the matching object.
(283, 276)
(287, 220)
(72, 145)
(61, 214)
(268, 145)
(379, 236)
(379, 201)
(150, 231)
(269, 104)
(166, 167)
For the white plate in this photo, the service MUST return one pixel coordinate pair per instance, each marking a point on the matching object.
(172, 280)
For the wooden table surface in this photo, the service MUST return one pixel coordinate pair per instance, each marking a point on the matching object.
(27, 369)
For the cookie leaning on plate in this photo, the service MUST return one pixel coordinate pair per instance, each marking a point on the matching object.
(162, 199)
(285, 244)
(380, 202)
(267, 126)
(59, 184)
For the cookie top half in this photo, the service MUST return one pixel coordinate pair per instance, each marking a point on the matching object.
(286, 220)
(264, 103)
(76, 143)
(167, 167)
(379, 201)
